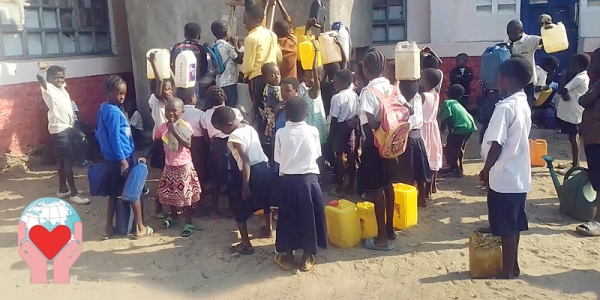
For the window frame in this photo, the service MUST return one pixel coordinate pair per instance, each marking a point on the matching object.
(495, 5)
(77, 30)
(390, 22)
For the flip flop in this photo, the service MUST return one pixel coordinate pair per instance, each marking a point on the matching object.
(278, 258)
(106, 237)
(239, 248)
(370, 244)
(589, 229)
(169, 222)
(149, 232)
(161, 215)
(309, 264)
(188, 229)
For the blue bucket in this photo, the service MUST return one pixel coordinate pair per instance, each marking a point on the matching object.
(95, 174)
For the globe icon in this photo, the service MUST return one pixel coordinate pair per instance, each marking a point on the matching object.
(50, 213)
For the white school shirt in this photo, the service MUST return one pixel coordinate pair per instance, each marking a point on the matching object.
(527, 46)
(370, 103)
(416, 120)
(571, 111)
(193, 116)
(75, 110)
(541, 76)
(250, 141)
(206, 122)
(510, 126)
(60, 109)
(136, 121)
(297, 148)
(157, 111)
(344, 105)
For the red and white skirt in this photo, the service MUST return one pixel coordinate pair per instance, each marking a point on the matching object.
(179, 186)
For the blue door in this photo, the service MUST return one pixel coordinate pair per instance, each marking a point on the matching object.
(565, 11)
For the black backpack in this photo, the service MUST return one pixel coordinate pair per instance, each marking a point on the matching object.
(199, 51)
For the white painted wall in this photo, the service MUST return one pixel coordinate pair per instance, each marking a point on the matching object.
(589, 31)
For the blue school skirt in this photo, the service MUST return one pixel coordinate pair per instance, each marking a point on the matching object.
(261, 182)
(507, 213)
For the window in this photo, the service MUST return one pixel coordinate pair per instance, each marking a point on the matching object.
(497, 7)
(389, 21)
(594, 3)
(52, 28)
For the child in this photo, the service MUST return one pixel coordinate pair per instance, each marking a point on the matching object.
(83, 138)
(430, 131)
(507, 168)
(316, 111)
(179, 186)
(344, 109)
(253, 181)
(301, 223)
(231, 56)
(162, 92)
(390, 73)
(60, 126)
(221, 164)
(574, 83)
(544, 74)
(284, 29)
(193, 116)
(271, 98)
(414, 161)
(116, 145)
(460, 125)
(430, 60)
(327, 88)
(193, 33)
(462, 75)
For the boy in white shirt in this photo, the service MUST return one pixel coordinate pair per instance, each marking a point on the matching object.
(193, 116)
(507, 169)
(61, 119)
(573, 84)
(545, 70)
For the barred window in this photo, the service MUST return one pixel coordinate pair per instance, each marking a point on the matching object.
(389, 21)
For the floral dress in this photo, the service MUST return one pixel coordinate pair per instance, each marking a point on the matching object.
(271, 97)
(316, 115)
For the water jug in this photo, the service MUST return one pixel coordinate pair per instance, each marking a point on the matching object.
(124, 223)
(330, 51)
(134, 184)
(555, 38)
(405, 207)
(185, 69)
(343, 225)
(408, 61)
(162, 60)
(95, 174)
(550, 118)
(317, 11)
(537, 149)
(491, 59)
(307, 55)
(344, 37)
(368, 221)
(485, 255)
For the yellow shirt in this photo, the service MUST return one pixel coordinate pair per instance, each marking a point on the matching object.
(260, 48)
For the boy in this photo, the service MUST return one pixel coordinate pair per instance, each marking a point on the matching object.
(462, 75)
(507, 169)
(460, 125)
(287, 42)
(344, 109)
(231, 56)
(192, 33)
(60, 125)
(544, 74)
(573, 84)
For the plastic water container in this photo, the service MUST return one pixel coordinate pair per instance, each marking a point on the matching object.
(134, 185)
(368, 221)
(317, 11)
(405, 207)
(408, 61)
(485, 256)
(95, 174)
(306, 52)
(343, 225)
(185, 69)
(344, 37)
(555, 39)
(124, 223)
(162, 62)
(491, 59)
(330, 51)
(537, 149)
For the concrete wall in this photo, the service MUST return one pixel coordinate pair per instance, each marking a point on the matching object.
(588, 26)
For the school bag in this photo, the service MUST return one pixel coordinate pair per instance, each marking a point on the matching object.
(391, 136)
(217, 60)
(198, 50)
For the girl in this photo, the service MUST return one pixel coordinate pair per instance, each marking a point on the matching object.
(252, 181)
(301, 223)
(179, 186)
(431, 130)
(162, 92)
(413, 161)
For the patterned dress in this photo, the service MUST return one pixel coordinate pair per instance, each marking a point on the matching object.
(271, 97)
(316, 115)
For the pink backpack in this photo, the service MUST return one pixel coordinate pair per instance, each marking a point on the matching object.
(391, 137)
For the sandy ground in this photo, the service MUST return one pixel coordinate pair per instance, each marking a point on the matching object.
(430, 261)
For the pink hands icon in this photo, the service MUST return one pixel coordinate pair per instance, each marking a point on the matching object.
(65, 259)
(33, 257)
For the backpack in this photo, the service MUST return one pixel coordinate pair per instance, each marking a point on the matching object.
(217, 60)
(390, 139)
(199, 51)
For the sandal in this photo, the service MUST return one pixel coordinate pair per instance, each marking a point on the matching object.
(161, 215)
(589, 229)
(107, 236)
(309, 263)
(278, 258)
(370, 244)
(241, 249)
(169, 222)
(188, 229)
(149, 232)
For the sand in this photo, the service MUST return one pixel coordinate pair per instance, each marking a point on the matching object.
(430, 261)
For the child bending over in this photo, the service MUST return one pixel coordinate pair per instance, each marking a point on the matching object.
(430, 131)
(507, 168)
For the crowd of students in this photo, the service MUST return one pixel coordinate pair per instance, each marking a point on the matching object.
(308, 123)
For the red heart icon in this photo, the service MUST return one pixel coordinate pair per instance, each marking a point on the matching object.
(50, 243)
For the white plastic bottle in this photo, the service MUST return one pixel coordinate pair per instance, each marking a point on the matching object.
(185, 69)
(330, 51)
(162, 60)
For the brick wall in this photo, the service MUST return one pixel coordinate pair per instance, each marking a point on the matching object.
(474, 63)
(23, 113)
